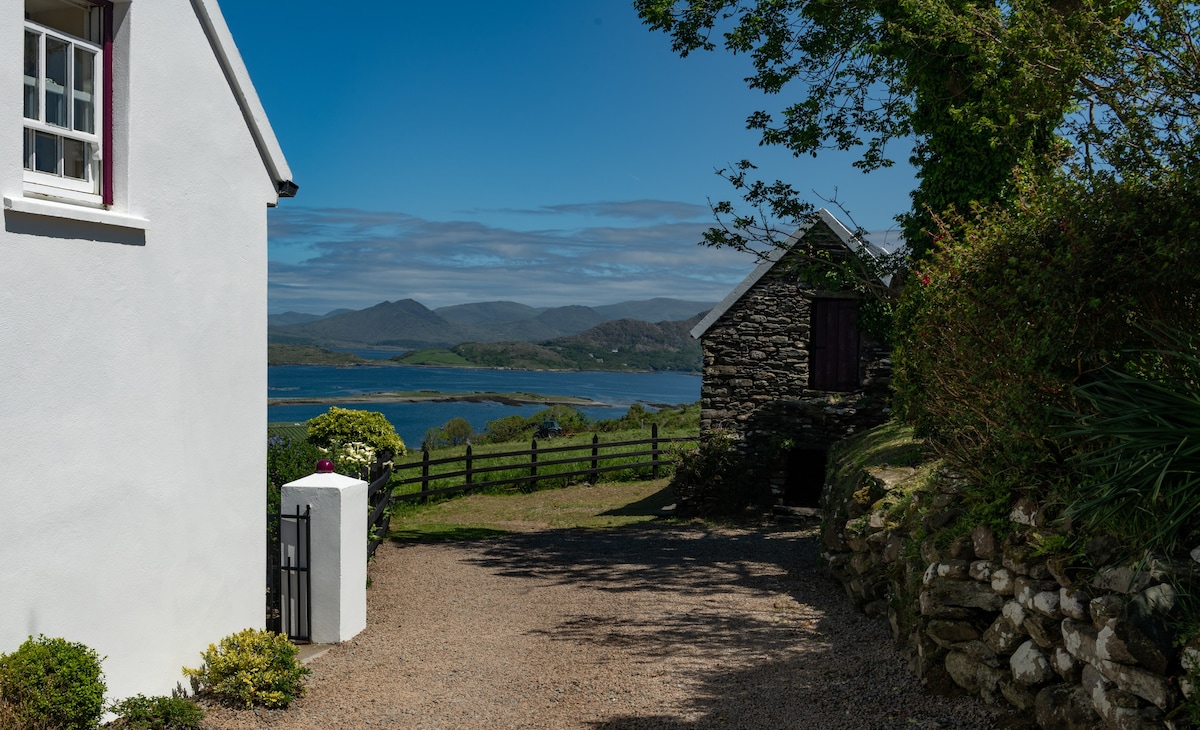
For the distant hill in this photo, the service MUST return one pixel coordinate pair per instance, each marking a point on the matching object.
(478, 313)
(300, 317)
(405, 323)
(410, 324)
(659, 309)
(625, 344)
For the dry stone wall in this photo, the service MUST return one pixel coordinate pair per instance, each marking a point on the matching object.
(1068, 647)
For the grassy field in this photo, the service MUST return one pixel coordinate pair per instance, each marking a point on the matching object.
(489, 515)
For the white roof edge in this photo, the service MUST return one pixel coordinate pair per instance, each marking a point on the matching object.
(848, 238)
(239, 79)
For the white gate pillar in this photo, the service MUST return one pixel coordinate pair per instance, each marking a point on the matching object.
(338, 563)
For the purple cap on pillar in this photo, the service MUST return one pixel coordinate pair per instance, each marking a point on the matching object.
(324, 466)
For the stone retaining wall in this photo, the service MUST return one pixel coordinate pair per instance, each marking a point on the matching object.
(1070, 647)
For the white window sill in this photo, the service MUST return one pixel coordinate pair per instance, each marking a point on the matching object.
(34, 206)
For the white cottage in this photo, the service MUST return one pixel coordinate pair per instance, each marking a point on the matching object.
(135, 173)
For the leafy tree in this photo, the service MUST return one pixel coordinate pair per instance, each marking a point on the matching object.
(508, 428)
(980, 88)
(457, 430)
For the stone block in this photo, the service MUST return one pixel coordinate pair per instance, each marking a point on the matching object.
(1073, 602)
(954, 569)
(1030, 666)
(1046, 603)
(1026, 590)
(1080, 640)
(963, 548)
(1003, 636)
(1065, 707)
(1065, 665)
(961, 593)
(1045, 632)
(1104, 608)
(1014, 612)
(949, 634)
(974, 676)
(1018, 695)
(981, 570)
(1002, 581)
(985, 543)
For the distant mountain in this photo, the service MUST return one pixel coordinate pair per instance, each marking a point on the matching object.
(405, 323)
(410, 324)
(287, 318)
(659, 309)
(487, 312)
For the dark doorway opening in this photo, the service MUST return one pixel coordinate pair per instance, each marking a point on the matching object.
(805, 477)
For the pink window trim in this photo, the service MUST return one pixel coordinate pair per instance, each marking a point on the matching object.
(106, 142)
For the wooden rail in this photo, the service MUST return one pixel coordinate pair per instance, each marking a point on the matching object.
(378, 502)
(535, 468)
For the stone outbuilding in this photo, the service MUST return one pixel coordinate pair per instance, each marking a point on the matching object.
(787, 370)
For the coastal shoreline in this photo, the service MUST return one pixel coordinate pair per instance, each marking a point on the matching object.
(508, 399)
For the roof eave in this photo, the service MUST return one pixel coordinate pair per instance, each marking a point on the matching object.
(773, 257)
(243, 89)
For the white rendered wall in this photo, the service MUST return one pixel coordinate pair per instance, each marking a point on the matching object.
(133, 372)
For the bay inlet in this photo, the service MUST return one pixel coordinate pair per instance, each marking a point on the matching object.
(615, 391)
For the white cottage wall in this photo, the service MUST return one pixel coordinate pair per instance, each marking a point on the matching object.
(133, 371)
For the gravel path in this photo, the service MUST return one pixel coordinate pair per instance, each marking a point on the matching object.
(655, 626)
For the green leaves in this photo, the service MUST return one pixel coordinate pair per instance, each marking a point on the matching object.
(345, 425)
(1138, 451)
(251, 667)
(52, 682)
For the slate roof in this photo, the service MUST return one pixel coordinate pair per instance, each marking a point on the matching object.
(851, 241)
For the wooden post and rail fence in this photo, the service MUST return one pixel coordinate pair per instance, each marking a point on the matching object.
(480, 471)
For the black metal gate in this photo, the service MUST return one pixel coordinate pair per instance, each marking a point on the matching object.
(289, 594)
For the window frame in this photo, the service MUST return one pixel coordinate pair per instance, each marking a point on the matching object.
(98, 190)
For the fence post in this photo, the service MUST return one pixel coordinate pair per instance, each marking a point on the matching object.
(338, 564)
(424, 475)
(595, 460)
(468, 470)
(654, 448)
(533, 465)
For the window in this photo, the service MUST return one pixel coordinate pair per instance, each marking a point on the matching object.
(67, 69)
(833, 345)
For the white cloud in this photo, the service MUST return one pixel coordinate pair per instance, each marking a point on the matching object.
(325, 259)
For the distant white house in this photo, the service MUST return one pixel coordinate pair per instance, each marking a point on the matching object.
(135, 172)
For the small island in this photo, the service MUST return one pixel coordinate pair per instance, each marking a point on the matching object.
(508, 399)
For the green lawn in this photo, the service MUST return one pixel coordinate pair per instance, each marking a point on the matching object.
(608, 504)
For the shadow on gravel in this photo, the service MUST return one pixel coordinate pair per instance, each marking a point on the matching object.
(448, 534)
(809, 662)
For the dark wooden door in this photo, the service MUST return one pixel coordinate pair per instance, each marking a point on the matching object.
(833, 348)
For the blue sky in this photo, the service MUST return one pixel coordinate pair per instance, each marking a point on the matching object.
(549, 152)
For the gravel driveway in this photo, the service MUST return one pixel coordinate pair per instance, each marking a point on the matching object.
(652, 626)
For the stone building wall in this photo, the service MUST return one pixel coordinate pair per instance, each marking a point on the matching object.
(756, 367)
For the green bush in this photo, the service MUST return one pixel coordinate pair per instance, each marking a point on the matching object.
(251, 667)
(51, 682)
(712, 478)
(1017, 305)
(345, 426)
(288, 459)
(157, 713)
(509, 428)
(1138, 452)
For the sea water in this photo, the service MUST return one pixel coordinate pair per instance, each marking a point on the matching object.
(617, 390)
